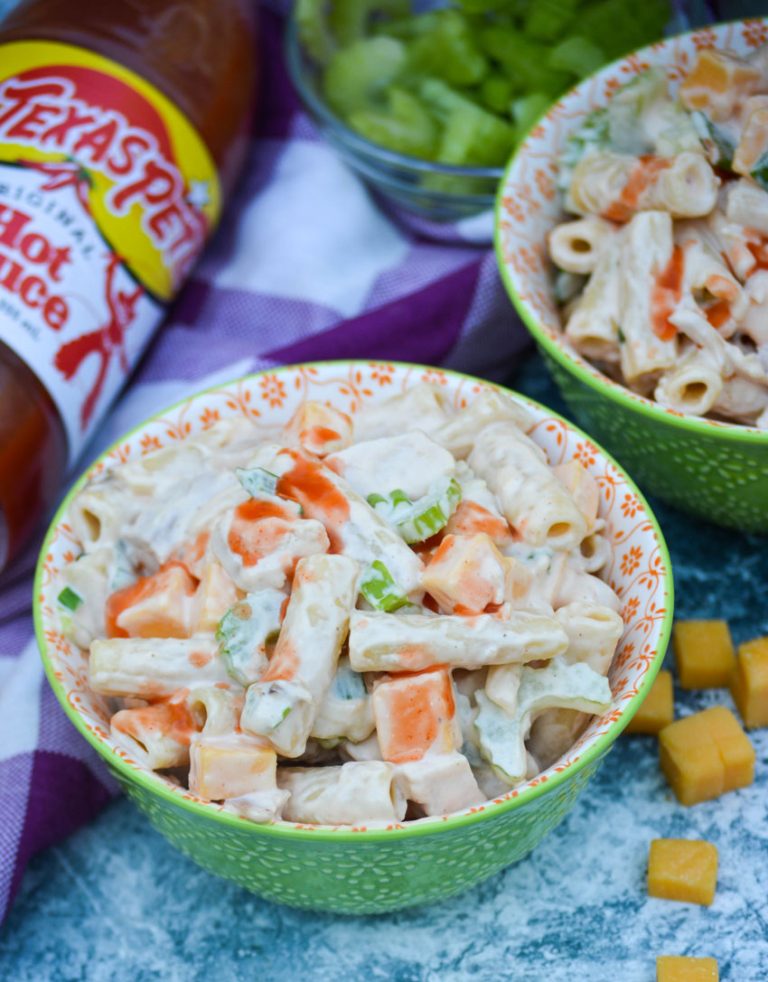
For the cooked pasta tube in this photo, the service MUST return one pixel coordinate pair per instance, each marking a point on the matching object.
(592, 324)
(577, 246)
(593, 633)
(84, 596)
(747, 205)
(153, 667)
(458, 433)
(618, 186)
(502, 736)
(649, 344)
(159, 734)
(99, 512)
(346, 712)
(553, 732)
(582, 487)
(353, 527)
(360, 791)
(409, 462)
(572, 583)
(412, 642)
(259, 806)
(742, 399)
(318, 428)
(283, 706)
(534, 502)
(732, 241)
(419, 408)
(440, 783)
(693, 385)
(755, 323)
(595, 552)
(216, 710)
(229, 766)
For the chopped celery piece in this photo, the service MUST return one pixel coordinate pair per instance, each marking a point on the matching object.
(348, 684)
(421, 519)
(759, 172)
(496, 92)
(616, 26)
(359, 74)
(527, 109)
(578, 55)
(122, 570)
(379, 588)
(313, 30)
(406, 128)
(524, 61)
(471, 134)
(245, 630)
(349, 18)
(712, 136)
(547, 20)
(69, 599)
(448, 51)
(258, 482)
(593, 134)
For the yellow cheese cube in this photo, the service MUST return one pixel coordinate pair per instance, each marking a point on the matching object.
(705, 755)
(690, 761)
(734, 746)
(749, 682)
(682, 869)
(657, 709)
(230, 766)
(678, 968)
(703, 654)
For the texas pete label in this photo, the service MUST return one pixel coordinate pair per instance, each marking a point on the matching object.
(107, 196)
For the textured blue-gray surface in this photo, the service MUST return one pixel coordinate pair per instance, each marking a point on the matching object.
(117, 902)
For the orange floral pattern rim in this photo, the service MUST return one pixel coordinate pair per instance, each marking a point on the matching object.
(528, 207)
(639, 569)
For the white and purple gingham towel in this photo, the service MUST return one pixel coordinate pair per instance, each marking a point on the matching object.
(305, 267)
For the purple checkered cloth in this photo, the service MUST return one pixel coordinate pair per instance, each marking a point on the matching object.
(305, 267)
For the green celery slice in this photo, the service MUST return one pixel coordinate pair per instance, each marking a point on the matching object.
(448, 51)
(313, 30)
(418, 520)
(349, 19)
(258, 482)
(527, 109)
(471, 134)
(617, 27)
(379, 588)
(759, 172)
(244, 632)
(524, 61)
(69, 598)
(496, 92)
(578, 55)
(708, 133)
(358, 75)
(548, 20)
(406, 128)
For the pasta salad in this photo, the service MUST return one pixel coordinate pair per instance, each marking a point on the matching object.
(663, 278)
(338, 622)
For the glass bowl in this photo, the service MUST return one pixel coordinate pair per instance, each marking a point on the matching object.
(418, 192)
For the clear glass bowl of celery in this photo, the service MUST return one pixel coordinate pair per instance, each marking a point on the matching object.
(427, 101)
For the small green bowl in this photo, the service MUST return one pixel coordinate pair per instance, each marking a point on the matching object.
(368, 870)
(718, 471)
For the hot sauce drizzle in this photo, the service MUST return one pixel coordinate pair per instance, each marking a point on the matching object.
(307, 483)
(641, 177)
(666, 294)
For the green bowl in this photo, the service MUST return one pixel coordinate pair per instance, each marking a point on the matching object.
(366, 870)
(718, 471)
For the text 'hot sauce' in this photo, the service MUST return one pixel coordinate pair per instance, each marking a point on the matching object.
(122, 127)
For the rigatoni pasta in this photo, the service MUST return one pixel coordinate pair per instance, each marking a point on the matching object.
(672, 190)
(333, 630)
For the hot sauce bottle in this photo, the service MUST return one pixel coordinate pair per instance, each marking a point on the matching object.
(122, 128)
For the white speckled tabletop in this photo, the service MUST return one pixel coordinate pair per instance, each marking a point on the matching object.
(117, 902)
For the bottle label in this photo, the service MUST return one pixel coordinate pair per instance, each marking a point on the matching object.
(107, 196)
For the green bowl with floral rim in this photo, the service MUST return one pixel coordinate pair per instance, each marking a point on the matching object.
(715, 470)
(365, 870)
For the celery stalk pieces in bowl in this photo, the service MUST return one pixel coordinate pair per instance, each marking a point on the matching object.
(426, 101)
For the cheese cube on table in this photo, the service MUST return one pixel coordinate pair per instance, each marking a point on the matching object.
(703, 654)
(705, 755)
(657, 709)
(749, 683)
(678, 968)
(682, 869)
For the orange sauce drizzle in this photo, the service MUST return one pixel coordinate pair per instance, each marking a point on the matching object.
(643, 174)
(307, 482)
(666, 294)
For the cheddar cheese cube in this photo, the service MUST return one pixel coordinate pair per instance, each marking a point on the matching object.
(705, 755)
(703, 654)
(682, 869)
(657, 709)
(734, 746)
(718, 83)
(749, 683)
(678, 968)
